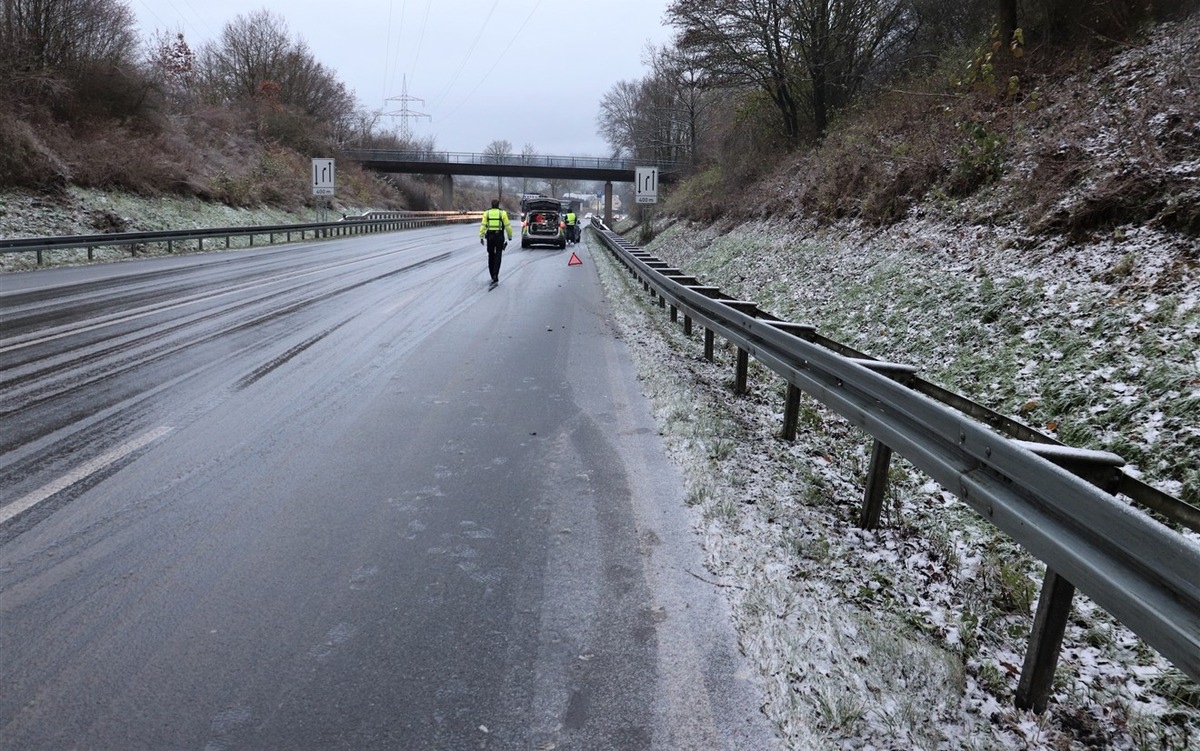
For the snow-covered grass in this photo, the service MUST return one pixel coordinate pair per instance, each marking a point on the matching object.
(84, 211)
(913, 636)
(1097, 344)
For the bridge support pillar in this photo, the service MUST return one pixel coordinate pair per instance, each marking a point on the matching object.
(448, 193)
(608, 220)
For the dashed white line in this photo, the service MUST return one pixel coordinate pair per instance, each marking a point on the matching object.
(81, 472)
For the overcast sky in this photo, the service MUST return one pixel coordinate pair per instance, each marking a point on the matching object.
(525, 71)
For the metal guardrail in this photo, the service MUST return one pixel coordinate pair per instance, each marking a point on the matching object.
(371, 222)
(1056, 501)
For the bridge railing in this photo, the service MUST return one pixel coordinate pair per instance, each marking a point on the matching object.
(516, 160)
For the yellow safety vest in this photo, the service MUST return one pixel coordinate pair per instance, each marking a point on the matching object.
(494, 220)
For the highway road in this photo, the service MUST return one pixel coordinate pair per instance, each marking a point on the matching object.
(339, 495)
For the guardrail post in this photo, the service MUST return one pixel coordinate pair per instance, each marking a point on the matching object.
(687, 325)
(877, 481)
(743, 369)
(791, 412)
(1045, 643)
(674, 314)
(708, 345)
(1054, 603)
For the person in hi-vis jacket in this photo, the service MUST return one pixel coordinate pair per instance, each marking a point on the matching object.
(492, 229)
(572, 227)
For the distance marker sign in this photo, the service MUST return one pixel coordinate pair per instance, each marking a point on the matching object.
(647, 184)
(322, 177)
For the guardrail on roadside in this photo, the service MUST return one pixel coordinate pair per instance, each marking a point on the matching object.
(371, 222)
(1059, 503)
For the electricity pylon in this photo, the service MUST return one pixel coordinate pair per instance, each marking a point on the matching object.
(405, 113)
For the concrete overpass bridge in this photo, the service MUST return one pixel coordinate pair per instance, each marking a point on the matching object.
(449, 164)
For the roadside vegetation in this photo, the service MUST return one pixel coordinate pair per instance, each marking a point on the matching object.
(90, 105)
(870, 109)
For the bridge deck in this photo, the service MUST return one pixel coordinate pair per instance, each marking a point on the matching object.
(487, 165)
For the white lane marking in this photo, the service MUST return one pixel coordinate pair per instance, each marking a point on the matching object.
(84, 470)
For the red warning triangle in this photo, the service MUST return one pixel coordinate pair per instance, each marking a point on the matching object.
(574, 261)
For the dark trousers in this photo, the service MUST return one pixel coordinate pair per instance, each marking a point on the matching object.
(495, 247)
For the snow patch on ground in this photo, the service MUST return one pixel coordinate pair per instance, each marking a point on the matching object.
(84, 211)
(913, 636)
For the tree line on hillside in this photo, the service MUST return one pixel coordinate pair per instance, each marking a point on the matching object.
(747, 78)
(83, 93)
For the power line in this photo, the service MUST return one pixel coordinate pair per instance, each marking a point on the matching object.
(496, 62)
(188, 27)
(388, 63)
(421, 36)
(442, 94)
(387, 51)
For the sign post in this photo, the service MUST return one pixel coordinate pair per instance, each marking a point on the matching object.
(323, 175)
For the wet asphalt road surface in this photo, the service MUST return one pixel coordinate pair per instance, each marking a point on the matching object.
(340, 495)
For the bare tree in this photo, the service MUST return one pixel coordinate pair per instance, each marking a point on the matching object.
(250, 52)
(497, 152)
(314, 89)
(358, 129)
(256, 55)
(528, 154)
(663, 116)
(809, 56)
(617, 120)
(257, 62)
(839, 42)
(745, 42)
(173, 65)
(44, 42)
(941, 25)
(690, 98)
(80, 57)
